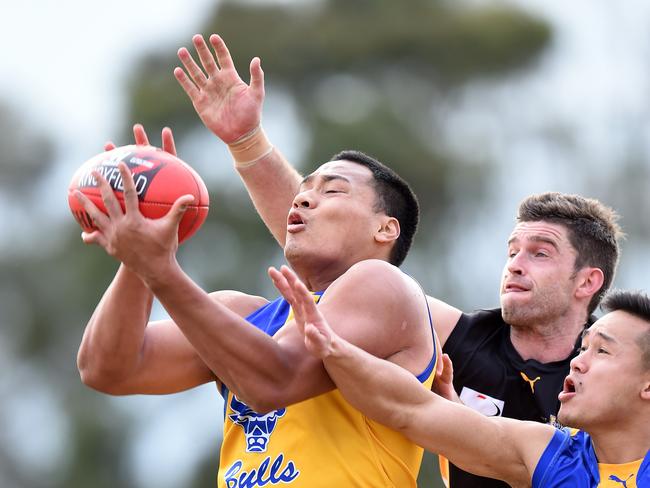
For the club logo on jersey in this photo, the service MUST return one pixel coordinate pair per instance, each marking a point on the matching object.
(529, 381)
(257, 427)
(615, 478)
(482, 403)
(143, 172)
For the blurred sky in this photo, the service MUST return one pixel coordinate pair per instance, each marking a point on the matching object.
(568, 123)
(64, 64)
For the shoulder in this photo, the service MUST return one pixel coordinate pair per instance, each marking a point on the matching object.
(531, 444)
(475, 327)
(485, 320)
(566, 454)
(373, 271)
(374, 280)
(240, 303)
(377, 307)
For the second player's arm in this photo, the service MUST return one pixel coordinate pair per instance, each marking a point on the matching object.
(495, 447)
(232, 110)
(487, 446)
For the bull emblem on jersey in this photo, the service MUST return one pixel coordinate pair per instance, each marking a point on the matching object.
(257, 427)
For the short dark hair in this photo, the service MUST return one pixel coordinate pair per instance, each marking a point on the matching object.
(593, 231)
(394, 197)
(635, 303)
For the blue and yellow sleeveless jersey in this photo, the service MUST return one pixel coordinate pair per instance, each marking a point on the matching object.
(319, 442)
(569, 460)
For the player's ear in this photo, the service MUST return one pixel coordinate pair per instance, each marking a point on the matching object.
(589, 281)
(645, 393)
(388, 230)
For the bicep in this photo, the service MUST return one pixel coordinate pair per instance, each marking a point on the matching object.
(494, 447)
(167, 364)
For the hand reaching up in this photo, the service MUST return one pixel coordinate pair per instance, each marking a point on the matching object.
(319, 336)
(229, 107)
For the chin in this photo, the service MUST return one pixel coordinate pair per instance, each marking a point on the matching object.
(567, 419)
(517, 316)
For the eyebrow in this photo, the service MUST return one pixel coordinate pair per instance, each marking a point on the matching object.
(326, 178)
(541, 239)
(602, 335)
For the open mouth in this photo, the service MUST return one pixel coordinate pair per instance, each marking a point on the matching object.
(294, 218)
(569, 386)
(295, 222)
(568, 390)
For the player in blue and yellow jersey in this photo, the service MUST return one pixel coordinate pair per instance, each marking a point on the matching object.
(350, 225)
(606, 395)
(561, 259)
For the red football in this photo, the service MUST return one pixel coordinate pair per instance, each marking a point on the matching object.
(160, 179)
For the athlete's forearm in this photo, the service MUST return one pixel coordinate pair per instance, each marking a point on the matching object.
(113, 339)
(272, 184)
(394, 397)
(382, 390)
(251, 363)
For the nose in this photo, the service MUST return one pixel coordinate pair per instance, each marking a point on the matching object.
(515, 264)
(304, 199)
(579, 363)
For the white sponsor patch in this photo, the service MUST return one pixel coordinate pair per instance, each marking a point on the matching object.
(482, 403)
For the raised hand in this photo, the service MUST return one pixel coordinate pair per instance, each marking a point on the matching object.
(144, 245)
(319, 336)
(227, 106)
(141, 139)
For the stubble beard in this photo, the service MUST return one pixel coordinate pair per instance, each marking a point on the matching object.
(541, 309)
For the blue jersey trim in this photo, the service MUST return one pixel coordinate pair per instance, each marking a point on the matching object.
(551, 452)
(424, 375)
(643, 475)
(271, 317)
(224, 394)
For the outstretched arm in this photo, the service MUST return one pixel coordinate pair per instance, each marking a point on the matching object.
(232, 110)
(496, 447)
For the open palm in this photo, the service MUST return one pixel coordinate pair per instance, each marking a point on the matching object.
(225, 103)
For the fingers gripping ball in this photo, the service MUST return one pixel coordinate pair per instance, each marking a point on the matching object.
(160, 179)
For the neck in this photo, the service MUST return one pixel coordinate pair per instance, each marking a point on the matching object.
(317, 279)
(550, 341)
(621, 445)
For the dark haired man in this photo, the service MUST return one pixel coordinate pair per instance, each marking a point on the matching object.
(606, 395)
(562, 255)
(283, 415)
